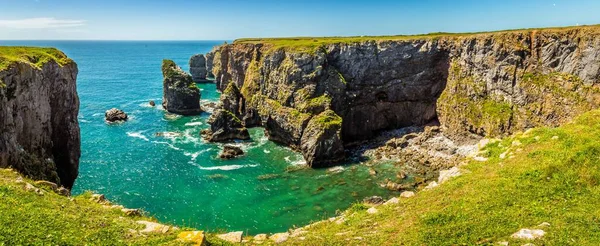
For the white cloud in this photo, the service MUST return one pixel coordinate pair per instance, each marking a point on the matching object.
(41, 23)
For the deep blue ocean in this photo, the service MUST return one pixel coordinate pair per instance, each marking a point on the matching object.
(179, 179)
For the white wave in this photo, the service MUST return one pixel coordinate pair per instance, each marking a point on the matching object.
(266, 151)
(98, 114)
(226, 168)
(195, 154)
(299, 162)
(138, 135)
(83, 121)
(194, 123)
(168, 144)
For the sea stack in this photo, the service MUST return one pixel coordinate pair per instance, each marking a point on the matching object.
(180, 93)
(198, 68)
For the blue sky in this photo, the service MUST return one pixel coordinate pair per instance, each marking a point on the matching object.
(231, 19)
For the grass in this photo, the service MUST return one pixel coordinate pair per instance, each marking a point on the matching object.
(27, 218)
(547, 175)
(31, 55)
(314, 44)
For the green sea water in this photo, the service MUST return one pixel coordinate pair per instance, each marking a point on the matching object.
(179, 179)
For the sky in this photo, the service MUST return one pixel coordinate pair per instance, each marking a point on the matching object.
(231, 19)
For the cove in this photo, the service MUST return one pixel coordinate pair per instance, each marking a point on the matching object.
(179, 179)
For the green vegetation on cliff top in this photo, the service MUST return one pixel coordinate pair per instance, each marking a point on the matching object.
(313, 43)
(545, 175)
(31, 55)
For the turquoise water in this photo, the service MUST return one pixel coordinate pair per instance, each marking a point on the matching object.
(178, 179)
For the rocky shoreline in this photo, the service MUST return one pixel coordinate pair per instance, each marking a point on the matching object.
(318, 100)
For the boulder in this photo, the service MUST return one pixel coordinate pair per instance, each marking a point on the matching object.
(529, 234)
(198, 68)
(225, 126)
(374, 200)
(230, 152)
(192, 237)
(232, 237)
(152, 103)
(114, 115)
(180, 93)
(280, 237)
(153, 227)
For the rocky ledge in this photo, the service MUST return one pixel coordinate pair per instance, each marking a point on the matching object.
(180, 93)
(39, 131)
(320, 98)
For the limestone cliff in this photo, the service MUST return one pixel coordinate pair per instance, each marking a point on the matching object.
(39, 131)
(180, 93)
(490, 84)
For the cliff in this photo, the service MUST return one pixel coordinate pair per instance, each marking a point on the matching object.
(180, 93)
(490, 84)
(39, 131)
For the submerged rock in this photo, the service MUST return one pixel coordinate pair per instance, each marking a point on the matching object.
(198, 68)
(114, 115)
(152, 103)
(230, 152)
(180, 93)
(225, 126)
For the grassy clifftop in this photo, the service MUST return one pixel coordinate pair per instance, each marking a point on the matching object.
(545, 175)
(31, 55)
(311, 43)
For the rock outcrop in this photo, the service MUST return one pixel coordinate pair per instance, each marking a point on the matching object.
(198, 68)
(225, 121)
(180, 93)
(39, 131)
(489, 84)
(114, 115)
(230, 152)
(225, 126)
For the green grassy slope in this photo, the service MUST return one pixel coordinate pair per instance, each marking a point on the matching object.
(31, 55)
(546, 175)
(27, 218)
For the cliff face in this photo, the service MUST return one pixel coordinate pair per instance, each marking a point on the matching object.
(489, 84)
(39, 131)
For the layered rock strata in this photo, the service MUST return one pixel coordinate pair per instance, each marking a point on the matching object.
(39, 131)
(180, 93)
(488, 84)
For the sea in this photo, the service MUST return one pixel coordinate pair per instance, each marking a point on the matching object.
(159, 163)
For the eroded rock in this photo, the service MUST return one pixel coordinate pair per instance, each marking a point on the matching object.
(114, 115)
(180, 93)
(225, 126)
(230, 152)
(232, 237)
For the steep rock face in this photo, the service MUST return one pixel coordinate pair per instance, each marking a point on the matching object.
(198, 68)
(225, 121)
(39, 131)
(506, 82)
(180, 93)
(489, 84)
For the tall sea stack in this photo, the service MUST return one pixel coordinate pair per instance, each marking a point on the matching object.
(180, 93)
(39, 131)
